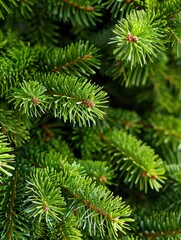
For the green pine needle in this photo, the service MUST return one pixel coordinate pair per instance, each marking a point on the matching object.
(6, 159)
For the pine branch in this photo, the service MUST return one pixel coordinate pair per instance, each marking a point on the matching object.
(76, 100)
(166, 129)
(78, 59)
(161, 225)
(17, 64)
(40, 29)
(119, 7)
(59, 188)
(46, 153)
(13, 225)
(139, 38)
(14, 126)
(90, 203)
(24, 59)
(136, 160)
(44, 201)
(6, 159)
(94, 204)
(172, 153)
(30, 98)
(175, 34)
(167, 7)
(67, 230)
(174, 174)
(79, 12)
(9, 76)
(50, 158)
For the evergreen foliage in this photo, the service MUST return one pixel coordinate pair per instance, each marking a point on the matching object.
(90, 123)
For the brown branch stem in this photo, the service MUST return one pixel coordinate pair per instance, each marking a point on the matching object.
(94, 208)
(59, 68)
(12, 203)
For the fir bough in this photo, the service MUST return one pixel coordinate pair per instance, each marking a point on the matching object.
(90, 124)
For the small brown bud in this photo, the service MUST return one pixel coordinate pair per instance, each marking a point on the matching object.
(35, 101)
(75, 212)
(144, 174)
(89, 9)
(129, 37)
(46, 208)
(103, 179)
(154, 176)
(134, 39)
(88, 103)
